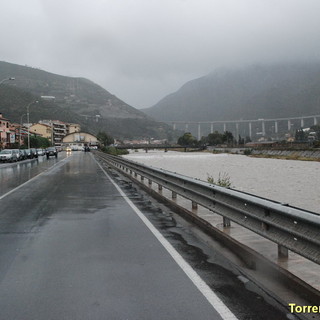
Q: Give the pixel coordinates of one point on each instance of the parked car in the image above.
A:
(17, 152)
(34, 151)
(30, 153)
(9, 155)
(40, 152)
(23, 154)
(51, 151)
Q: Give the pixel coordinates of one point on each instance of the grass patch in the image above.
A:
(223, 180)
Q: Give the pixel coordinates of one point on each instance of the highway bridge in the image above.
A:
(164, 147)
(250, 128)
(81, 240)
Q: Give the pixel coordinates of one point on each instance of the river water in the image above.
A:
(288, 181)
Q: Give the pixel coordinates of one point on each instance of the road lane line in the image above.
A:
(33, 178)
(213, 299)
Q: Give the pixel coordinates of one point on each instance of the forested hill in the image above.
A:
(254, 92)
(75, 98)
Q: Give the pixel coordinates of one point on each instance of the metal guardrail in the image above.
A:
(291, 228)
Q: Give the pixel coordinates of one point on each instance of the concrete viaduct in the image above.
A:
(236, 123)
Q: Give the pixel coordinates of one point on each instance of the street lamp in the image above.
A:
(7, 79)
(21, 128)
(28, 121)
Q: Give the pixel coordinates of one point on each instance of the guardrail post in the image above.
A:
(194, 205)
(135, 174)
(142, 178)
(283, 252)
(226, 222)
(174, 195)
(159, 187)
(150, 182)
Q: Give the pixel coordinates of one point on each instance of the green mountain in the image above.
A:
(76, 100)
(273, 91)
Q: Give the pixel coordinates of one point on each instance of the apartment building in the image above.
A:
(58, 130)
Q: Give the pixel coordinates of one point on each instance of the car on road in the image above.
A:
(9, 155)
(51, 151)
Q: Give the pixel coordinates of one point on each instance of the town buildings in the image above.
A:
(13, 135)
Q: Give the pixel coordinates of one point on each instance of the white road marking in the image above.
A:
(213, 299)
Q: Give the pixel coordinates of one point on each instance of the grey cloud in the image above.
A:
(141, 50)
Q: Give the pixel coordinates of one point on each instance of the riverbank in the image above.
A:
(303, 155)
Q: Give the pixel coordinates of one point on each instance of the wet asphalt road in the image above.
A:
(72, 248)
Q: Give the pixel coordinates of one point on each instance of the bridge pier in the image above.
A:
(276, 127)
(237, 132)
(263, 128)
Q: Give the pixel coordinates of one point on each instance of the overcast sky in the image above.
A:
(142, 50)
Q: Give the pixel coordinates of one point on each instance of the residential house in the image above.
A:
(7, 136)
(42, 129)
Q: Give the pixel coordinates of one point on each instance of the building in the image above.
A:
(42, 129)
(73, 127)
(58, 131)
(78, 140)
(7, 133)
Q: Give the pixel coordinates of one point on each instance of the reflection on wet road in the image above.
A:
(14, 174)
